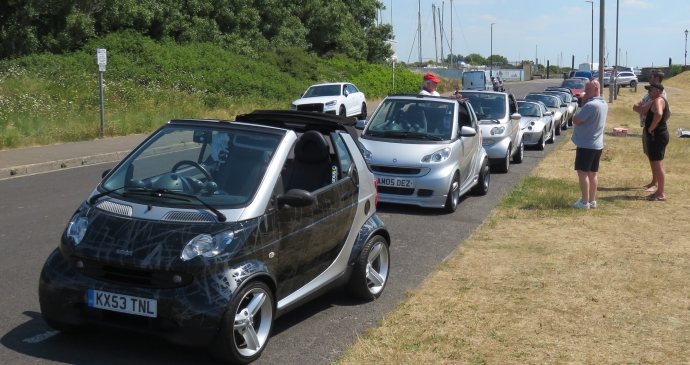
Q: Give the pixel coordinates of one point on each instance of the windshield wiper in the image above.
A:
(411, 134)
(157, 193)
(95, 198)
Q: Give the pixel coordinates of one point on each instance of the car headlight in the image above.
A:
(438, 156)
(365, 152)
(497, 130)
(293, 107)
(331, 103)
(76, 229)
(206, 245)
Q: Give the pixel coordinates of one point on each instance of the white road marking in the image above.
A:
(41, 337)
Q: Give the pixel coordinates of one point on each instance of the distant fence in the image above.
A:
(456, 73)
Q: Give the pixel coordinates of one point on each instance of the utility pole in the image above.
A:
(433, 12)
(440, 28)
(452, 55)
(419, 30)
(443, 15)
(615, 66)
(602, 42)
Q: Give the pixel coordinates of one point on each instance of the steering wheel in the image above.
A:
(193, 164)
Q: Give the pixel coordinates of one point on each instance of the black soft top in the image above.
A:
(301, 121)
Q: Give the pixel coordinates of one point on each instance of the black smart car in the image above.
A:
(209, 230)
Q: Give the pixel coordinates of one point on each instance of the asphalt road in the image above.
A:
(35, 209)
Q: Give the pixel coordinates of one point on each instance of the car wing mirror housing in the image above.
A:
(515, 116)
(564, 105)
(296, 198)
(106, 172)
(360, 124)
(548, 113)
(466, 131)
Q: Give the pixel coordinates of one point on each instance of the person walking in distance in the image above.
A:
(588, 136)
(642, 107)
(657, 137)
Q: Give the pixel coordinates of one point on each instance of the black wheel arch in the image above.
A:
(372, 227)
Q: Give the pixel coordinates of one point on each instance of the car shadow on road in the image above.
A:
(413, 209)
(93, 346)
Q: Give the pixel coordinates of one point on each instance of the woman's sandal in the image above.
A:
(654, 198)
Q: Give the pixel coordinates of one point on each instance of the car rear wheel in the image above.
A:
(342, 111)
(453, 194)
(520, 153)
(632, 84)
(482, 187)
(363, 112)
(551, 139)
(370, 273)
(558, 129)
(246, 325)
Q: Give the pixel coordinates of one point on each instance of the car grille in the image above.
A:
(176, 216)
(396, 170)
(425, 192)
(311, 107)
(395, 191)
(116, 208)
(132, 277)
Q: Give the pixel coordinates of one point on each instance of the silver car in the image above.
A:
(571, 107)
(425, 151)
(537, 124)
(500, 125)
(555, 105)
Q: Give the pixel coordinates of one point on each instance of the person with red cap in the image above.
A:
(429, 86)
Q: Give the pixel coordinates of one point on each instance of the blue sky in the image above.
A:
(548, 28)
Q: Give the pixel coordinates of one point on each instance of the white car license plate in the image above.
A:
(398, 183)
(123, 303)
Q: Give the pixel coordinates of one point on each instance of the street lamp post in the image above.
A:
(686, 47)
(491, 52)
(592, 54)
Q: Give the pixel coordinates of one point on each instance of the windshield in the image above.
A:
(322, 90)
(565, 97)
(573, 85)
(222, 167)
(549, 101)
(431, 120)
(487, 106)
(528, 109)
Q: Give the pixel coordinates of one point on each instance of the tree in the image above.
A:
(475, 59)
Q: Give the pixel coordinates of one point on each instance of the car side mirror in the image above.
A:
(106, 172)
(564, 105)
(296, 198)
(361, 124)
(548, 114)
(346, 93)
(515, 116)
(466, 131)
(300, 96)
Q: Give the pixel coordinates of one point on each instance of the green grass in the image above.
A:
(538, 193)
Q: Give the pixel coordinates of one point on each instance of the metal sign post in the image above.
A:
(101, 60)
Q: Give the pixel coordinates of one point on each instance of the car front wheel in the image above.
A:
(246, 325)
(482, 187)
(453, 194)
(542, 142)
(342, 111)
(363, 112)
(504, 165)
(370, 273)
(520, 153)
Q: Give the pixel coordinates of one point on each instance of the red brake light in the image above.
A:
(376, 186)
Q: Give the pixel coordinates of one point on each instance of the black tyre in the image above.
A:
(633, 84)
(453, 194)
(520, 153)
(342, 111)
(504, 166)
(551, 139)
(482, 187)
(246, 325)
(558, 129)
(565, 126)
(370, 273)
(542, 142)
(363, 112)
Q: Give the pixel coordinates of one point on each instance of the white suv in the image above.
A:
(626, 78)
(339, 98)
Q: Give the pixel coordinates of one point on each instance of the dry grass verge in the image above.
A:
(542, 283)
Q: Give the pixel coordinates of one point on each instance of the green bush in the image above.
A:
(676, 69)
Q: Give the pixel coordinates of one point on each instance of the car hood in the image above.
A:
(577, 92)
(315, 100)
(399, 154)
(525, 121)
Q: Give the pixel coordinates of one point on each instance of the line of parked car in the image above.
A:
(209, 230)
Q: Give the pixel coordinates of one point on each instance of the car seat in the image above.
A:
(311, 168)
(239, 174)
(416, 118)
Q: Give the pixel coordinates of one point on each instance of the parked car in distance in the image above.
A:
(572, 105)
(555, 105)
(586, 74)
(577, 87)
(425, 151)
(537, 124)
(340, 98)
(500, 125)
(626, 78)
(210, 230)
(498, 84)
(476, 80)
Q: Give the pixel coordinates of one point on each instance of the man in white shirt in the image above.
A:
(429, 86)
